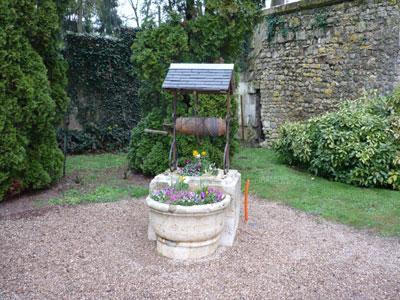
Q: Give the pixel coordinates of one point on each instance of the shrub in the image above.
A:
(31, 95)
(148, 153)
(186, 34)
(359, 144)
(94, 139)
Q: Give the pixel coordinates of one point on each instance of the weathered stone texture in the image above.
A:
(319, 56)
(228, 183)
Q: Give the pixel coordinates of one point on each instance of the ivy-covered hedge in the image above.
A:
(103, 91)
(359, 144)
(32, 96)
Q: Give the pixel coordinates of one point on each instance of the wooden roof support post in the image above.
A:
(227, 134)
(196, 106)
(172, 152)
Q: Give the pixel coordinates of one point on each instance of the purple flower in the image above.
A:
(171, 195)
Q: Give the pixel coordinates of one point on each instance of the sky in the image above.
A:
(125, 11)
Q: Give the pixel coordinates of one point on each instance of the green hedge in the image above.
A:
(103, 91)
(359, 144)
(32, 96)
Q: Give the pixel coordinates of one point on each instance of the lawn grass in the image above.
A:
(102, 193)
(100, 178)
(375, 209)
(93, 162)
(97, 178)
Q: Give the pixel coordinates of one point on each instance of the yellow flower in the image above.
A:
(203, 153)
(181, 178)
(195, 153)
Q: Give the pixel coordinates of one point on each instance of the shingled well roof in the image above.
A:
(199, 77)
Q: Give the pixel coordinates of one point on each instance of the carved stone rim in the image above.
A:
(188, 210)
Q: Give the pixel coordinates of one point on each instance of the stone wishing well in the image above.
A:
(189, 232)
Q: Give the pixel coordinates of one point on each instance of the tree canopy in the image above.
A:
(190, 31)
(92, 15)
(209, 31)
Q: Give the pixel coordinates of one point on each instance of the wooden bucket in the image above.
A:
(201, 126)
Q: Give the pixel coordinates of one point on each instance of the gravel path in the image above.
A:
(101, 251)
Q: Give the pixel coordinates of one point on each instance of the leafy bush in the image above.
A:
(78, 141)
(94, 139)
(359, 144)
(32, 96)
(142, 145)
(148, 153)
(197, 32)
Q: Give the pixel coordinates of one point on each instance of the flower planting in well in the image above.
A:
(197, 166)
(179, 194)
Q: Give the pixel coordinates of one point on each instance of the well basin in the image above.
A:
(187, 232)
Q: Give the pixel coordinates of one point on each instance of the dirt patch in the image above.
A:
(31, 213)
(101, 251)
(36, 202)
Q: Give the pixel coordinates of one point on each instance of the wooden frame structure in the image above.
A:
(200, 79)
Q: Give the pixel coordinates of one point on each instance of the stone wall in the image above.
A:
(307, 57)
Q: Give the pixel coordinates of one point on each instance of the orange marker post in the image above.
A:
(246, 200)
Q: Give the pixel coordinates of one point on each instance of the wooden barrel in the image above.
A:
(201, 126)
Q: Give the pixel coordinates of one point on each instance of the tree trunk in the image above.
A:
(79, 25)
(190, 10)
(159, 14)
(107, 15)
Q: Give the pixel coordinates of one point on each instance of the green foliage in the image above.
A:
(107, 15)
(45, 37)
(78, 141)
(180, 194)
(95, 162)
(273, 23)
(320, 21)
(189, 34)
(98, 178)
(285, 24)
(270, 179)
(281, 24)
(91, 15)
(103, 91)
(102, 193)
(32, 96)
(148, 153)
(153, 51)
(198, 165)
(217, 34)
(139, 191)
(359, 144)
